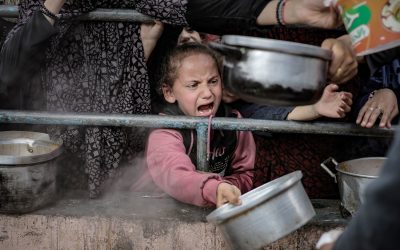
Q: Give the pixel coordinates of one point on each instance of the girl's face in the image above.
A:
(197, 88)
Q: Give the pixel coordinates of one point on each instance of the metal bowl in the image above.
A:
(267, 213)
(268, 71)
(353, 178)
(27, 171)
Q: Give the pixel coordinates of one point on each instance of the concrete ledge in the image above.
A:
(138, 221)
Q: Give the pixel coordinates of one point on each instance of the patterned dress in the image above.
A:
(98, 67)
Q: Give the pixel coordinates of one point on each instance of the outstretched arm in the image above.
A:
(308, 12)
(332, 104)
(173, 171)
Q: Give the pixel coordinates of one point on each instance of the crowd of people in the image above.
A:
(66, 65)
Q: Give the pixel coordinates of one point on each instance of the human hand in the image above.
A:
(228, 97)
(227, 193)
(54, 6)
(334, 104)
(313, 13)
(344, 65)
(383, 104)
(149, 34)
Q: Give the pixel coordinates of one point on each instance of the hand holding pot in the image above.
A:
(227, 193)
(344, 64)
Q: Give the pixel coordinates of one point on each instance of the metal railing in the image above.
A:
(183, 122)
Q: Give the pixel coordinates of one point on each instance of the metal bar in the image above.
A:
(198, 123)
(154, 121)
(202, 140)
(119, 15)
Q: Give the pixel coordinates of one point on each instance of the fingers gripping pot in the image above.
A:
(353, 177)
(266, 214)
(273, 72)
(27, 171)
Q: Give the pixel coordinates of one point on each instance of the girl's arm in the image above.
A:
(332, 104)
(243, 162)
(173, 171)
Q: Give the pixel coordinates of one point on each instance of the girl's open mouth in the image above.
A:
(206, 109)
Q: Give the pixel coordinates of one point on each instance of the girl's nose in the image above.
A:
(206, 92)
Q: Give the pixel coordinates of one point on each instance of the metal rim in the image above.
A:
(29, 159)
(263, 193)
(277, 45)
(358, 175)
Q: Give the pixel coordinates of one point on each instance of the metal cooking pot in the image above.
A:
(273, 72)
(267, 213)
(27, 171)
(353, 177)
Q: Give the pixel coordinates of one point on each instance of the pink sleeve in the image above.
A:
(173, 171)
(243, 162)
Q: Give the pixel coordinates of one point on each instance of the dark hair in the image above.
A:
(173, 62)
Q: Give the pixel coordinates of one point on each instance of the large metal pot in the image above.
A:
(353, 177)
(27, 171)
(266, 214)
(274, 72)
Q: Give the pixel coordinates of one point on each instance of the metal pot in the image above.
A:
(353, 177)
(267, 213)
(27, 171)
(273, 72)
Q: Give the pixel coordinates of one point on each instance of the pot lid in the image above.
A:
(256, 196)
(277, 45)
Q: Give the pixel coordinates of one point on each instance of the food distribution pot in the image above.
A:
(27, 171)
(273, 72)
(266, 214)
(353, 177)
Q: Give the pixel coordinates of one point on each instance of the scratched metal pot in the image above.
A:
(273, 72)
(266, 214)
(27, 171)
(353, 177)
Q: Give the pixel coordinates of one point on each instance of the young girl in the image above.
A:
(192, 86)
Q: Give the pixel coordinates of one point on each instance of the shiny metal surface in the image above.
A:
(267, 213)
(277, 45)
(27, 151)
(271, 76)
(27, 170)
(353, 177)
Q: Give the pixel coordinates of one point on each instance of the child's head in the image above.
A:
(192, 78)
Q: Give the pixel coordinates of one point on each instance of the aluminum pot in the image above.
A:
(273, 72)
(266, 214)
(27, 171)
(353, 177)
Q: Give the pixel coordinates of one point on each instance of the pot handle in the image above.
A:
(324, 163)
(227, 50)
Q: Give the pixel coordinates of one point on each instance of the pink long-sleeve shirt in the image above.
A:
(173, 171)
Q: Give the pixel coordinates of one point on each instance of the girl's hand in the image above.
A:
(149, 34)
(227, 193)
(334, 104)
(383, 104)
(344, 65)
